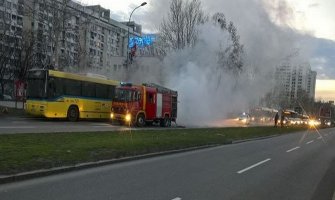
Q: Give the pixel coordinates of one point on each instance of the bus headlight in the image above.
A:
(128, 117)
(112, 115)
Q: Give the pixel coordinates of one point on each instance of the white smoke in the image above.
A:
(206, 92)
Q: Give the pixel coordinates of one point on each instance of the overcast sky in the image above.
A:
(313, 16)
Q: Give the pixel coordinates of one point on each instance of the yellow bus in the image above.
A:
(55, 94)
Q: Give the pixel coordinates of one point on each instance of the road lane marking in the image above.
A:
(252, 166)
(319, 138)
(310, 142)
(177, 198)
(295, 148)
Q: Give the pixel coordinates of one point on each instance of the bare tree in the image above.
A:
(230, 57)
(54, 25)
(26, 56)
(10, 48)
(179, 29)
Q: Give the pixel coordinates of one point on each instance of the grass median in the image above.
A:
(26, 152)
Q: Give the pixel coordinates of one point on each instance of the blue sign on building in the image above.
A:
(141, 42)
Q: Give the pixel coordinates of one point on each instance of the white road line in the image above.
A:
(177, 198)
(18, 127)
(319, 138)
(252, 166)
(295, 148)
(310, 142)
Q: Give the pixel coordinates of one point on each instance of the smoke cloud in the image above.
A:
(207, 93)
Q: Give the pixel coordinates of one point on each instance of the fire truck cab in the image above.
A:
(144, 104)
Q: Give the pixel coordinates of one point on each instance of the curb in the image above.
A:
(46, 172)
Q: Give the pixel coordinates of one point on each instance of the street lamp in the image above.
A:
(142, 4)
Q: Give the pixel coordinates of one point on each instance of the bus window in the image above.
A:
(36, 85)
(72, 87)
(59, 86)
(88, 89)
(111, 92)
(101, 91)
(51, 88)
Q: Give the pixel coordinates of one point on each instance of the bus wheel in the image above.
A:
(140, 121)
(72, 113)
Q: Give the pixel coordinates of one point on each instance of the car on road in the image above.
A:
(244, 118)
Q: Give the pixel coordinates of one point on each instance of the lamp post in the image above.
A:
(142, 4)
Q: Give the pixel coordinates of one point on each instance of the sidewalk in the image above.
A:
(12, 104)
(11, 108)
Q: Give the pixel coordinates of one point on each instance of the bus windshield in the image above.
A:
(36, 84)
(125, 95)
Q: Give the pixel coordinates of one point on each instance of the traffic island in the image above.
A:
(37, 154)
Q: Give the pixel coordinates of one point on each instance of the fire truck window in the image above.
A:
(151, 98)
(135, 96)
(138, 96)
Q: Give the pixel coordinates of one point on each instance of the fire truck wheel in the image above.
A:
(121, 122)
(169, 123)
(140, 121)
(166, 122)
(72, 113)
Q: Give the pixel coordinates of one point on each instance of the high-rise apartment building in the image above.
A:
(296, 81)
(61, 34)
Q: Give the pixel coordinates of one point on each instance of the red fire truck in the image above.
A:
(144, 104)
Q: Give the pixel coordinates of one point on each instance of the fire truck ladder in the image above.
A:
(160, 88)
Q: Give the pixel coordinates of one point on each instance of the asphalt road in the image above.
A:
(21, 124)
(40, 125)
(294, 166)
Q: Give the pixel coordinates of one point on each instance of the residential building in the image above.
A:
(293, 82)
(71, 36)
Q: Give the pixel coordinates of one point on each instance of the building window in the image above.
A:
(8, 4)
(7, 16)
